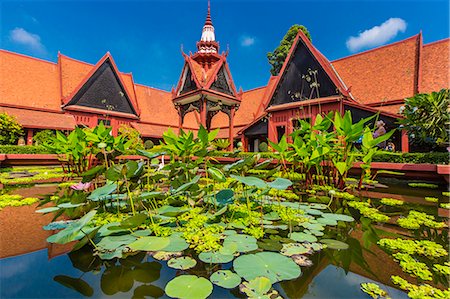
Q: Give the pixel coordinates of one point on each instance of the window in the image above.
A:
(106, 122)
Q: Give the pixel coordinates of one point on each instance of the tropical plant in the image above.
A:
(221, 144)
(427, 118)
(278, 56)
(43, 137)
(133, 135)
(10, 129)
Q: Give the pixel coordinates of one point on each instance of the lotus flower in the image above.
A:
(81, 186)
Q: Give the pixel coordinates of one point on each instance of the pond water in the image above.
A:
(32, 268)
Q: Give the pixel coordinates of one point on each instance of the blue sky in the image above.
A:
(145, 37)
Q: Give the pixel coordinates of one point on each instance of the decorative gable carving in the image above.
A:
(304, 78)
(189, 83)
(221, 83)
(103, 90)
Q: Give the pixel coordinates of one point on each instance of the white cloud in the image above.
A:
(377, 35)
(30, 40)
(247, 41)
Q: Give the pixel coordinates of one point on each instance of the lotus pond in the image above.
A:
(194, 228)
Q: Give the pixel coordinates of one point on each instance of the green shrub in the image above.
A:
(263, 147)
(10, 129)
(23, 149)
(148, 144)
(42, 137)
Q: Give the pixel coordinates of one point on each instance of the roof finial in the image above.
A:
(208, 15)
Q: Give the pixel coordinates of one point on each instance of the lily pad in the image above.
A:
(214, 257)
(225, 279)
(113, 242)
(176, 243)
(244, 243)
(189, 286)
(102, 192)
(182, 263)
(293, 249)
(327, 221)
(334, 244)
(302, 237)
(272, 265)
(250, 181)
(151, 243)
(338, 217)
(257, 287)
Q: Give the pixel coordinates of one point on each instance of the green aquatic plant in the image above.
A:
(412, 267)
(445, 205)
(431, 199)
(286, 194)
(442, 269)
(392, 202)
(14, 200)
(423, 185)
(255, 231)
(416, 220)
(225, 279)
(368, 212)
(374, 290)
(259, 287)
(420, 247)
(423, 291)
(189, 287)
(446, 193)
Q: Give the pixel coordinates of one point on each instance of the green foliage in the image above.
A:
(189, 287)
(23, 149)
(278, 56)
(263, 147)
(374, 291)
(43, 137)
(423, 185)
(392, 202)
(416, 220)
(10, 200)
(148, 144)
(425, 248)
(133, 136)
(421, 291)
(369, 212)
(10, 129)
(427, 118)
(221, 144)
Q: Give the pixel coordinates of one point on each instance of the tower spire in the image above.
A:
(207, 43)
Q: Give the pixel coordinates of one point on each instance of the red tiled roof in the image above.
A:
(41, 119)
(435, 66)
(151, 130)
(28, 82)
(395, 109)
(381, 74)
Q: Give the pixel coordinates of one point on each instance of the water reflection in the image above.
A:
(35, 269)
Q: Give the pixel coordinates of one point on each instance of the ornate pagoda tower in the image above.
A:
(205, 84)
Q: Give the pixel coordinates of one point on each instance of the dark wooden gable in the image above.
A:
(103, 90)
(303, 79)
(221, 83)
(189, 83)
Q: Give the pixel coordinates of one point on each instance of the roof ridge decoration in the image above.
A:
(316, 75)
(100, 69)
(207, 43)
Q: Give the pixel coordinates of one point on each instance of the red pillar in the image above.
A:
(180, 120)
(272, 130)
(203, 112)
(244, 142)
(231, 128)
(30, 137)
(405, 141)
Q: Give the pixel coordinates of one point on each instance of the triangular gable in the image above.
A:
(103, 89)
(305, 75)
(187, 83)
(222, 82)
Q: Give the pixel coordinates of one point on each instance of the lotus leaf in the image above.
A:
(244, 243)
(302, 237)
(151, 243)
(151, 291)
(74, 231)
(47, 210)
(225, 279)
(165, 255)
(69, 205)
(113, 242)
(334, 244)
(327, 221)
(57, 225)
(182, 263)
(293, 249)
(250, 181)
(338, 217)
(116, 279)
(177, 243)
(189, 286)
(213, 257)
(225, 196)
(273, 265)
(280, 184)
(133, 221)
(102, 192)
(257, 287)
